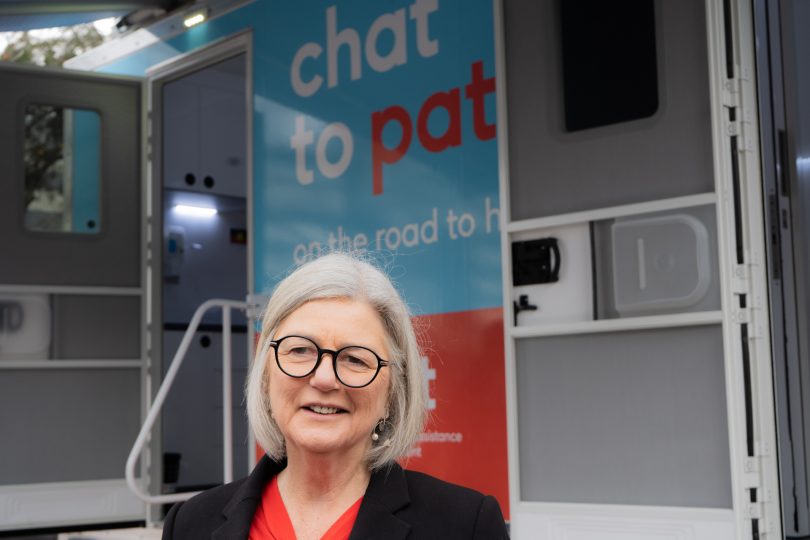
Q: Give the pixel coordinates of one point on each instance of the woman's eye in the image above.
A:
(355, 361)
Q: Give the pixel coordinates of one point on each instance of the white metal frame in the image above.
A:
(156, 406)
(554, 520)
(760, 471)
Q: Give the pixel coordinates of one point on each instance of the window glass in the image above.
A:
(609, 62)
(62, 156)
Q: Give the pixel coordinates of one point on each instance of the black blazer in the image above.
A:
(397, 505)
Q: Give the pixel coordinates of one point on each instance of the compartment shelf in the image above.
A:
(70, 290)
(618, 325)
(611, 212)
(71, 364)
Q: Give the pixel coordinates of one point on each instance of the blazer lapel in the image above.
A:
(387, 493)
(238, 513)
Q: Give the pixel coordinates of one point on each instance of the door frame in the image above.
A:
(157, 76)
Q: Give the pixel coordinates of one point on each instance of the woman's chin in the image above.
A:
(325, 442)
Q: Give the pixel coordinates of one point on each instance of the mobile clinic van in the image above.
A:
(594, 210)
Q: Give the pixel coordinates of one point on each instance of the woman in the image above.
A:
(335, 396)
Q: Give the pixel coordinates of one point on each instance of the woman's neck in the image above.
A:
(318, 489)
(320, 478)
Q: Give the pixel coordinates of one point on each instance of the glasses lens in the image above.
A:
(356, 366)
(297, 355)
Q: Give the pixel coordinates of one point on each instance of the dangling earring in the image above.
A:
(379, 428)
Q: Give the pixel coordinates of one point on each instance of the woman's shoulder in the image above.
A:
(234, 502)
(439, 509)
(427, 486)
(213, 500)
(201, 514)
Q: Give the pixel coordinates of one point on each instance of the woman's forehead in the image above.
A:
(342, 320)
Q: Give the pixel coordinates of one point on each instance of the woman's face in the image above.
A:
(317, 413)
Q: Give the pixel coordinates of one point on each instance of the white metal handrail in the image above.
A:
(227, 406)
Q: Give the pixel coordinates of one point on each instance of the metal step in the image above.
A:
(139, 533)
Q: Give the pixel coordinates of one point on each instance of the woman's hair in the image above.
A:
(344, 275)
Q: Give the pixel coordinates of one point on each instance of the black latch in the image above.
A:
(522, 305)
(535, 261)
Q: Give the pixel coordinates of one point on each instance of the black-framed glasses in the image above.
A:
(354, 366)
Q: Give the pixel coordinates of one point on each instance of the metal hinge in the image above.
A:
(751, 479)
(737, 129)
(731, 93)
(741, 279)
(756, 510)
(742, 316)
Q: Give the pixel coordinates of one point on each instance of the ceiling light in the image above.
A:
(196, 211)
(194, 19)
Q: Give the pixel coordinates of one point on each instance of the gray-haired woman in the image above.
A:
(336, 394)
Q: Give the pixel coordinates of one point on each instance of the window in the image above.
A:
(609, 62)
(62, 157)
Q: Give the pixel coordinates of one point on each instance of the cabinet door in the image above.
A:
(222, 139)
(204, 144)
(181, 135)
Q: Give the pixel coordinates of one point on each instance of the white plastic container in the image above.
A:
(659, 264)
(25, 326)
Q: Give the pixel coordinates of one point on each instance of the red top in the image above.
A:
(271, 521)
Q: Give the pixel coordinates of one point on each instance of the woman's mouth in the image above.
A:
(320, 409)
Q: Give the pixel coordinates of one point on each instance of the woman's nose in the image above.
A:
(324, 377)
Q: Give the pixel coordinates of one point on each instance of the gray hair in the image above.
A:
(344, 275)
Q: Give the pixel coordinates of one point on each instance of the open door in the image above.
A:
(72, 296)
(200, 116)
(638, 361)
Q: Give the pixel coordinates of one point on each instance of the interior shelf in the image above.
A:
(618, 325)
(611, 212)
(71, 364)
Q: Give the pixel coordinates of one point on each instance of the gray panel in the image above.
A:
(624, 418)
(799, 123)
(666, 155)
(791, 227)
(102, 327)
(603, 265)
(192, 417)
(77, 424)
(111, 258)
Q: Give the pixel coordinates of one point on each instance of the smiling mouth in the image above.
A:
(324, 410)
